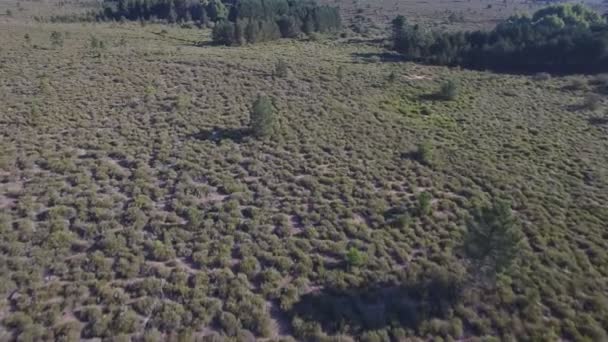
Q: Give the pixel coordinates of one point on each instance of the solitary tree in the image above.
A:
(262, 117)
(56, 39)
(424, 204)
(448, 91)
(493, 239)
(398, 25)
(281, 69)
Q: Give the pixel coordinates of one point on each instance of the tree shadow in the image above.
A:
(431, 97)
(598, 120)
(217, 134)
(575, 107)
(378, 306)
(366, 41)
(165, 36)
(386, 57)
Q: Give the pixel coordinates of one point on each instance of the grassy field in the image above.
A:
(134, 204)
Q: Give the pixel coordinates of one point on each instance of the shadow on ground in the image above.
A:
(217, 134)
(598, 120)
(391, 57)
(379, 306)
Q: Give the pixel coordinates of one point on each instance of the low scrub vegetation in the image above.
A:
(315, 190)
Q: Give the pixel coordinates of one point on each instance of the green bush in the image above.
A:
(424, 204)
(425, 153)
(262, 117)
(288, 26)
(493, 239)
(448, 91)
(224, 33)
(281, 69)
(592, 102)
(229, 323)
(56, 39)
(355, 258)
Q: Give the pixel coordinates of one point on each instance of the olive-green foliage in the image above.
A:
(156, 208)
(355, 258)
(288, 26)
(96, 43)
(340, 73)
(56, 39)
(281, 69)
(244, 31)
(493, 238)
(424, 203)
(425, 152)
(555, 38)
(224, 33)
(448, 90)
(258, 21)
(262, 117)
(592, 102)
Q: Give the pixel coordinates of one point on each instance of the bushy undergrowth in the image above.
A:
(134, 204)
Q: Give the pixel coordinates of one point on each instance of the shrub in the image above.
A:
(251, 32)
(592, 102)
(96, 43)
(493, 239)
(229, 323)
(262, 117)
(288, 26)
(56, 39)
(541, 76)
(577, 84)
(281, 69)
(448, 91)
(268, 30)
(355, 258)
(425, 153)
(424, 204)
(223, 33)
(249, 266)
(340, 73)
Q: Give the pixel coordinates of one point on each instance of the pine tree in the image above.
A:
(262, 117)
(493, 239)
(223, 33)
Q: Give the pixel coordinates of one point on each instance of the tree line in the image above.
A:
(251, 21)
(559, 38)
(235, 22)
(168, 10)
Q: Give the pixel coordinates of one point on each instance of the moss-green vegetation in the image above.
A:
(134, 202)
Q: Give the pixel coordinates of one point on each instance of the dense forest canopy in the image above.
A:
(236, 21)
(559, 38)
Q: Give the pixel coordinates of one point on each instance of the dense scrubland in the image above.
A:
(156, 185)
